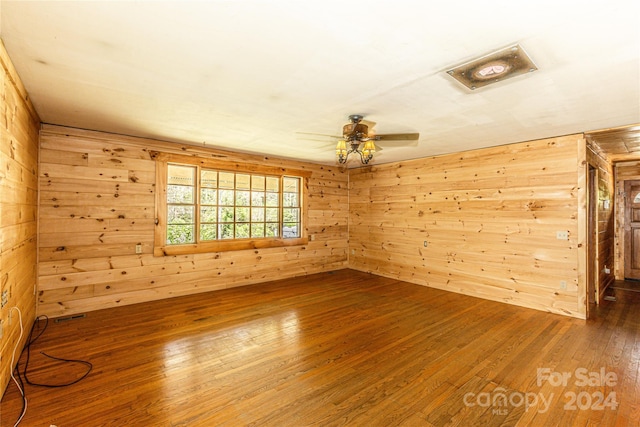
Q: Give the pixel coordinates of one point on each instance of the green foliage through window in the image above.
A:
(222, 205)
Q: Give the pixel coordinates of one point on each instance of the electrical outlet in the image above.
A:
(139, 248)
(424, 243)
(563, 284)
(562, 235)
(353, 251)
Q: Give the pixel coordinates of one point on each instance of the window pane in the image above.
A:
(257, 199)
(257, 230)
(230, 205)
(208, 214)
(242, 214)
(257, 183)
(290, 230)
(290, 199)
(180, 194)
(225, 231)
(208, 196)
(209, 178)
(181, 175)
(242, 231)
(272, 199)
(290, 185)
(243, 182)
(272, 230)
(273, 183)
(291, 215)
(225, 214)
(242, 198)
(225, 180)
(180, 214)
(272, 215)
(226, 197)
(208, 231)
(180, 234)
(257, 214)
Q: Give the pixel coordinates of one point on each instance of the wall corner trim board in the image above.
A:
(19, 126)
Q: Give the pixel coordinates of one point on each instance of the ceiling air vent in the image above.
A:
(494, 67)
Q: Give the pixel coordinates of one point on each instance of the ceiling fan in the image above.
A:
(358, 138)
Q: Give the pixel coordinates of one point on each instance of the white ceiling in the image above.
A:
(249, 75)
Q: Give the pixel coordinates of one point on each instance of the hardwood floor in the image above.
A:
(341, 348)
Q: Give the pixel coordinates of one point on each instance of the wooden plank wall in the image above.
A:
(490, 218)
(19, 125)
(605, 220)
(97, 203)
(626, 170)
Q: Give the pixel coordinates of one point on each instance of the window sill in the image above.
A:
(224, 246)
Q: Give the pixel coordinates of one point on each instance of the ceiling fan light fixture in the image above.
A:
(366, 152)
(357, 139)
(369, 149)
(341, 150)
(493, 67)
(355, 135)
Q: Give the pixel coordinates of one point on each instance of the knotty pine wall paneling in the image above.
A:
(97, 193)
(19, 125)
(623, 171)
(489, 218)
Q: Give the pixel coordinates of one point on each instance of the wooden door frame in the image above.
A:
(592, 282)
(627, 249)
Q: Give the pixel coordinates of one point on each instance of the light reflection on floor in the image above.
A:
(234, 347)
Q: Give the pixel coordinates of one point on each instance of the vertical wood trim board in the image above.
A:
(97, 197)
(19, 125)
(490, 218)
(605, 229)
(583, 216)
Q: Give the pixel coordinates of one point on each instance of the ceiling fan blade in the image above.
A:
(333, 145)
(396, 143)
(369, 123)
(398, 137)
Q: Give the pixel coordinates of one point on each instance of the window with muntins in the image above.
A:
(202, 206)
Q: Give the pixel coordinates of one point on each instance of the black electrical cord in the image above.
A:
(30, 340)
